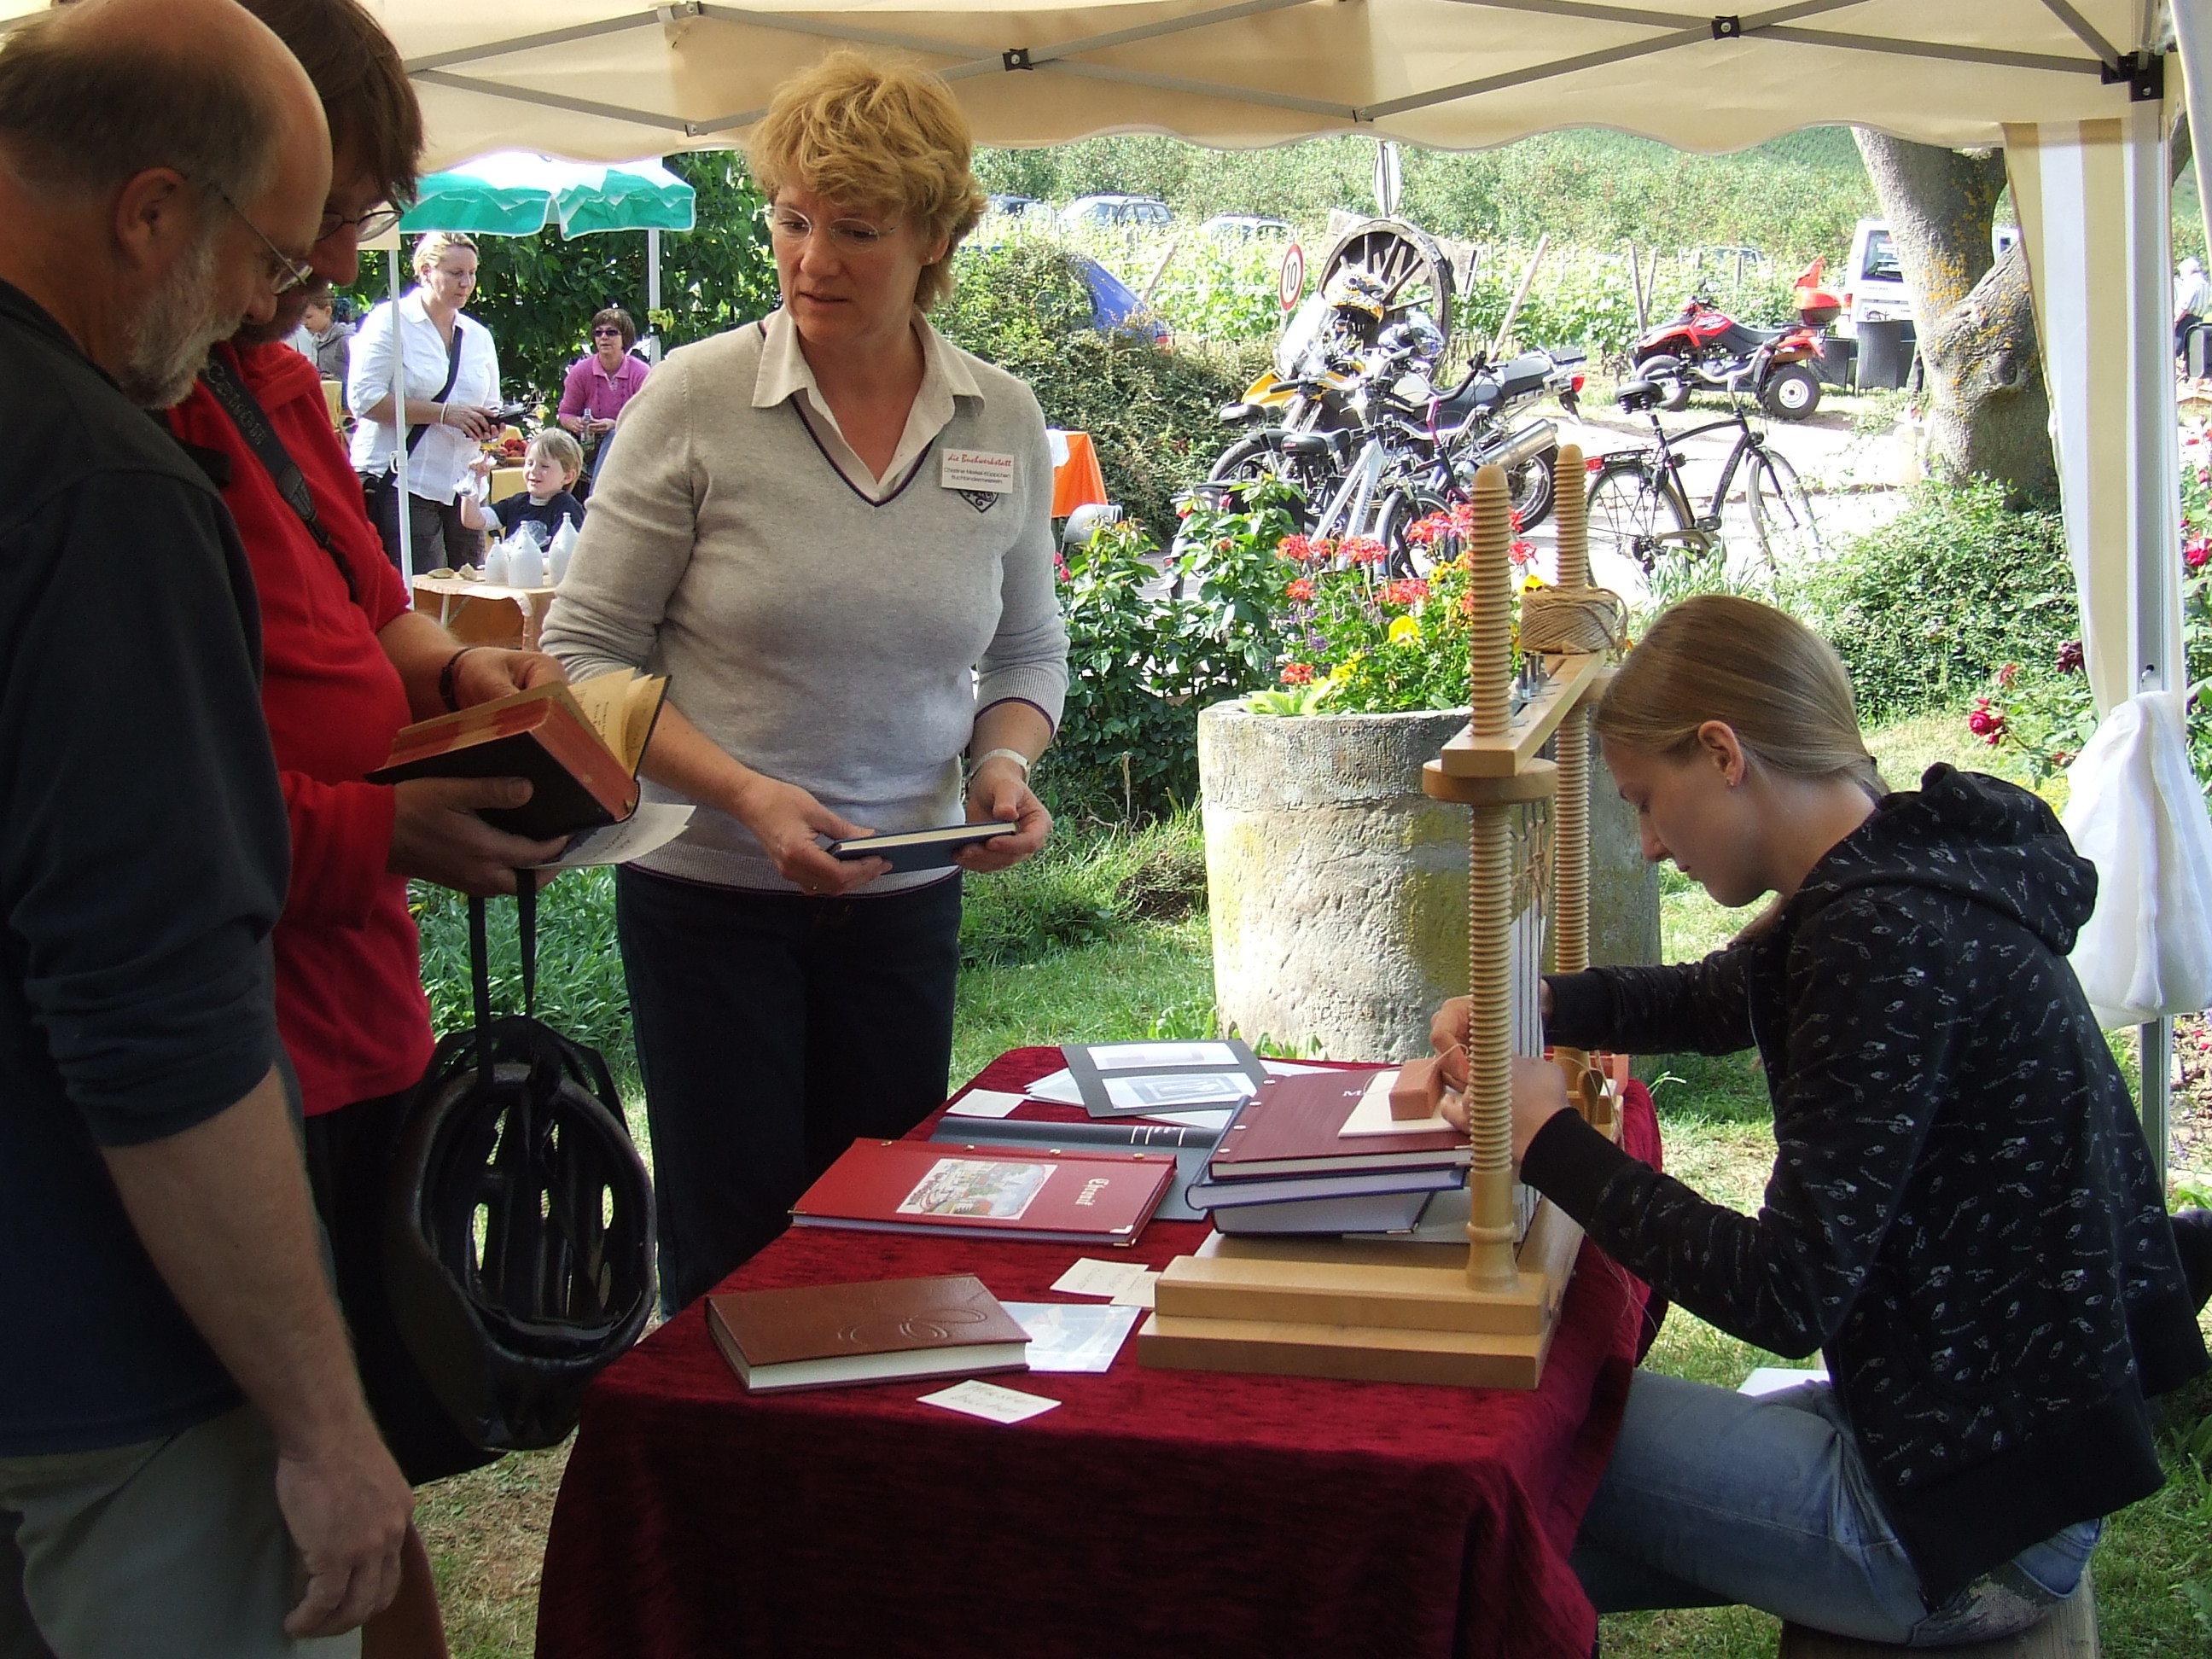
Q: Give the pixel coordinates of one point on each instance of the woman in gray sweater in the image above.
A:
(832, 531)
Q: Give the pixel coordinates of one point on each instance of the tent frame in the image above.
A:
(2143, 69)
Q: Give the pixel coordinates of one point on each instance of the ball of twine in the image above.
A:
(1582, 620)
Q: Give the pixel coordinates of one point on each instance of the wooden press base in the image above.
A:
(1365, 1311)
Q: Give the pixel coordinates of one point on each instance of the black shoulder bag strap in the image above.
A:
(453, 373)
(525, 906)
(253, 423)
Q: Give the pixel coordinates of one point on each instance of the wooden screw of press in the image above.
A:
(1490, 1260)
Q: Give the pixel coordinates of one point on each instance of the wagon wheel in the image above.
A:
(1412, 268)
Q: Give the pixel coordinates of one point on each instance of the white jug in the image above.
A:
(557, 556)
(526, 563)
(494, 565)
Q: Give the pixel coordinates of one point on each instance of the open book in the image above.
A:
(579, 745)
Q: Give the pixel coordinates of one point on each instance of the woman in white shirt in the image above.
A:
(453, 389)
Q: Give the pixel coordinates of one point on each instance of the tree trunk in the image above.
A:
(1988, 410)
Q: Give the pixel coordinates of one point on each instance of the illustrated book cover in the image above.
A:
(1029, 1192)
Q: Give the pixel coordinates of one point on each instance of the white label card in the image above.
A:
(983, 1102)
(978, 469)
(990, 1401)
(1091, 1277)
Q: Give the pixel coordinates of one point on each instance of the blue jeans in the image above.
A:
(1715, 1497)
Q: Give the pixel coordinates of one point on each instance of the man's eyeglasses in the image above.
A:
(366, 226)
(288, 273)
(852, 235)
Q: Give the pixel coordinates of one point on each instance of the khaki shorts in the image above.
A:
(166, 1549)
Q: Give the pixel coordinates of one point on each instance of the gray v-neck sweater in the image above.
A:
(842, 645)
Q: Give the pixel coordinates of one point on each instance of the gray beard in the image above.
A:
(170, 338)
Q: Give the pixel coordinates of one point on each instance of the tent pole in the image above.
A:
(652, 292)
(406, 513)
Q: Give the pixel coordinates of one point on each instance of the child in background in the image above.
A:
(549, 467)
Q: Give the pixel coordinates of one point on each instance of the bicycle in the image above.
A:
(1639, 507)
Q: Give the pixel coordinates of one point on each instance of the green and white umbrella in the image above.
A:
(517, 193)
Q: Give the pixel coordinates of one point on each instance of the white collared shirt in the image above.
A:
(785, 373)
(439, 462)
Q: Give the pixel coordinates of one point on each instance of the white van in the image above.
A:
(1873, 282)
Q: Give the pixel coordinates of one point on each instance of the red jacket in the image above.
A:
(350, 1001)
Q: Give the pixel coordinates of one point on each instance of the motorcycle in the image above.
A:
(1703, 349)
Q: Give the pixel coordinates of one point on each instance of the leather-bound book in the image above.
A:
(578, 745)
(812, 1336)
(1295, 1126)
(1088, 1196)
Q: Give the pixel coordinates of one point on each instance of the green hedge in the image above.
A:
(1924, 609)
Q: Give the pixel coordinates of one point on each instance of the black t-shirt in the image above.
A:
(519, 508)
(144, 860)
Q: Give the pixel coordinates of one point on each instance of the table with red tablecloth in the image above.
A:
(1152, 1513)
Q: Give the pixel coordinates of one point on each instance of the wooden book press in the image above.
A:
(1480, 1315)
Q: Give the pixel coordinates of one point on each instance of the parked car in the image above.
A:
(1246, 225)
(1114, 210)
(1873, 280)
(1011, 206)
(1114, 306)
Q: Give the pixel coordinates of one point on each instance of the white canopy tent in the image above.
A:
(2078, 92)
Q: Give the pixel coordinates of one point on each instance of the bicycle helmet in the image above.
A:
(519, 1245)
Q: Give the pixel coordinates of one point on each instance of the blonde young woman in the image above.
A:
(832, 530)
(1962, 1214)
(451, 387)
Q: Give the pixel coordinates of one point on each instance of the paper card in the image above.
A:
(1371, 1116)
(990, 1401)
(1091, 1277)
(1138, 1292)
(1773, 1379)
(1073, 1336)
(655, 823)
(1058, 1087)
(983, 1102)
(985, 470)
(1292, 1067)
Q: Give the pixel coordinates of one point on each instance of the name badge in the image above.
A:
(966, 470)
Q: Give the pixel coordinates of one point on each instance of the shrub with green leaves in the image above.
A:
(1154, 416)
(1924, 609)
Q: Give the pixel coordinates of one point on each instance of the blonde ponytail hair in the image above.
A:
(1765, 676)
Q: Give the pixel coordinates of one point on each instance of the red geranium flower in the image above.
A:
(1303, 588)
(1364, 549)
(1410, 591)
(1296, 549)
(1298, 673)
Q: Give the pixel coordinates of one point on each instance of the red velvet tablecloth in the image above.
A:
(1154, 1513)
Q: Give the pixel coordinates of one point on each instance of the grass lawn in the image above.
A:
(1100, 939)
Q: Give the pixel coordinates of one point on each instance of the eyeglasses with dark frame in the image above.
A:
(606, 332)
(852, 235)
(367, 226)
(292, 273)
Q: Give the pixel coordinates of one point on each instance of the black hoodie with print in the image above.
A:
(1962, 1210)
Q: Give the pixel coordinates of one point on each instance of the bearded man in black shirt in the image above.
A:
(180, 1428)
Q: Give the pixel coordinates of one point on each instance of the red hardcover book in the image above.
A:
(1294, 1126)
(1014, 1191)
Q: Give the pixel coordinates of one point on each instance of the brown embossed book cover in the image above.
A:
(817, 1335)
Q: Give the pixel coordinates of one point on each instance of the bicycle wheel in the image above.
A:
(1632, 515)
(1782, 519)
(1530, 485)
(1403, 508)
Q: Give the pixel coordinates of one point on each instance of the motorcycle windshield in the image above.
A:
(1299, 336)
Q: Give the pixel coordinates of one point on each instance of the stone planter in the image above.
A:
(1337, 891)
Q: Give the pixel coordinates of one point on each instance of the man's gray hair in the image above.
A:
(81, 113)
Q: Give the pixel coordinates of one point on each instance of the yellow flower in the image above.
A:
(1404, 631)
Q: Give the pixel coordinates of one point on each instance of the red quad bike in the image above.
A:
(1704, 349)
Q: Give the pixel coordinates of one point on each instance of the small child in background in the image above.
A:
(549, 467)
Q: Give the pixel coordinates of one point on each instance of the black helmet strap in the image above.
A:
(526, 916)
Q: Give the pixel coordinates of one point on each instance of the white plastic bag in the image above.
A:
(2137, 814)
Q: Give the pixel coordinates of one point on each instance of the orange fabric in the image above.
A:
(1078, 484)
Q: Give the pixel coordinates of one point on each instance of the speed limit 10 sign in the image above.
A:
(1293, 281)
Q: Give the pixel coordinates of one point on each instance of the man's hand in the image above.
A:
(347, 1508)
(999, 792)
(786, 819)
(487, 674)
(436, 834)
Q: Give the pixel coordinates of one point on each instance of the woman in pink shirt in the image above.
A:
(600, 383)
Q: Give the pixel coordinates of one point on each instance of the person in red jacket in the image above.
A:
(346, 664)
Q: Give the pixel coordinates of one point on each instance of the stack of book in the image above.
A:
(1319, 1152)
